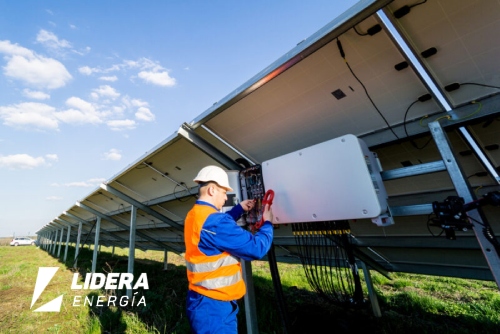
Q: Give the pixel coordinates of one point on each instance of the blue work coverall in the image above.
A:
(221, 233)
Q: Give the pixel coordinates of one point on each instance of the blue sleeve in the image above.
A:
(221, 233)
(236, 212)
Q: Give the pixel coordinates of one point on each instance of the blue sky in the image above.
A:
(87, 87)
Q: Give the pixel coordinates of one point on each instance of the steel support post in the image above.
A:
(131, 247)
(67, 244)
(60, 243)
(52, 241)
(371, 291)
(77, 246)
(463, 190)
(165, 259)
(49, 242)
(54, 245)
(249, 299)
(96, 244)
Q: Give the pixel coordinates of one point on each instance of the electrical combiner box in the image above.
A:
(335, 180)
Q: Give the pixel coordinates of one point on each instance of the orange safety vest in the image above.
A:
(216, 276)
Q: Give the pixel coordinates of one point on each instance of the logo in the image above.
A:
(45, 275)
(96, 281)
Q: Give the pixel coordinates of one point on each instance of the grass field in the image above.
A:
(409, 303)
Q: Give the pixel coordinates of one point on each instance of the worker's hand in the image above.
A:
(268, 214)
(247, 204)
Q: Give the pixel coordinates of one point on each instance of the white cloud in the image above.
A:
(82, 184)
(80, 112)
(157, 78)
(97, 180)
(149, 71)
(39, 71)
(79, 184)
(144, 114)
(10, 49)
(29, 114)
(53, 157)
(132, 103)
(73, 116)
(87, 70)
(51, 41)
(112, 154)
(81, 104)
(34, 94)
(110, 78)
(120, 125)
(53, 198)
(41, 116)
(139, 103)
(105, 91)
(21, 161)
(32, 69)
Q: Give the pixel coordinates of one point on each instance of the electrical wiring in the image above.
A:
(142, 166)
(429, 219)
(477, 190)
(357, 32)
(342, 54)
(448, 117)
(406, 131)
(402, 11)
(477, 221)
(478, 84)
(418, 4)
(370, 32)
(430, 139)
(325, 250)
(406, 114)
(187, 198)
(479, 174)
(473, 113)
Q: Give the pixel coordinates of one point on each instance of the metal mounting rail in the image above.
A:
(463, 190)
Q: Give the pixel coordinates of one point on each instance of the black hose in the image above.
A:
(275, 275)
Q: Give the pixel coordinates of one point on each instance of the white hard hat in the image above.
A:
(215, 174)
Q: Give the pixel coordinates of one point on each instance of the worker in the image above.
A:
(214, 246)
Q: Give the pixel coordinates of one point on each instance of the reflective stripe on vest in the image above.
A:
(211, 266)
(219, 282)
